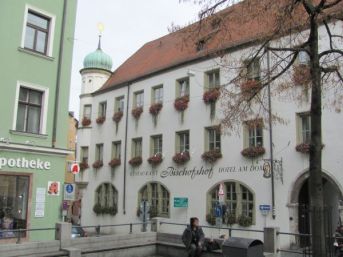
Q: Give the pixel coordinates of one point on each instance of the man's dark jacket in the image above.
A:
(187, 236)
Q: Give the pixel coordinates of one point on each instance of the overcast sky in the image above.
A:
(128, 24)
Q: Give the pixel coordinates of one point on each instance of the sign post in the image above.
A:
(265, 209)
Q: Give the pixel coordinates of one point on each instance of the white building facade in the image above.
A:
(113, 194)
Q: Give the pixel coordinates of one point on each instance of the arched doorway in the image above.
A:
(300, 201)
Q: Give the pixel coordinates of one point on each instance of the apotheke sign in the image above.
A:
(36, 164)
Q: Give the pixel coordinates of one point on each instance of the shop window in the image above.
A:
(182, 87)
(106, 199)
(238, 201)
(14, 195)
(30, 108)
(157, 94)
(158, 198)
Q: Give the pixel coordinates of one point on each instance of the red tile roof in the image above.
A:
(239, 24)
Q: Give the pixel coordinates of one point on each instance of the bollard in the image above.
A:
(130, 228)
(230, 232)
(97, 230)
(18, 236)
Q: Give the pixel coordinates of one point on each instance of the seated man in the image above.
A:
(193, 237)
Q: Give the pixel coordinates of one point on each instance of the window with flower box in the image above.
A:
(157, 94)
(182, 141)
(84, 154)
(156, 144)
(106, 200)
(253, 138)
(87, 111)
(158, 197)
(116, 150)
(239, 203)
(213, 139)
(99, 152)
(212, 79)
(138, 99)
(253, 69)
(304, 128)
(182, 87)
(119, 104)
(102, 109)
(137, 147)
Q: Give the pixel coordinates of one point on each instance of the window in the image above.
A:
(37, 32)
(253, 69)
(182, 87)
(238, 200)
(119, 104)
(116, 150)
(29, 110)
(254, 133)
(87, 111)
(158, 94)
(139, 99)
(212, 79)
(102, 109)
(156, 142)
(158, 197)
(14, 195)
(182, 141)
(304, 124)
(99, 151)
(84, 154)
(106, 199)
(303, 58)
(213, 136)
(137, 147)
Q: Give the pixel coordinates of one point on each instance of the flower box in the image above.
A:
(83, 165)
(211, 219)
(181, 103)
(303, 148)
(155, 159)
(114, 162)
(98, 164)
(211, 156)
(155, 108)
(136, 161)
(301, 74)
(100, 120)
(86, 121)
(136, 112)
(181, 158)
(100, 210)
(250, 86)
(117, 116)
(253, 151)
(211, 95)
(244, 221)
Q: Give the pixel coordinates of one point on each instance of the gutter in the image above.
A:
(59, 71)
(125, 147)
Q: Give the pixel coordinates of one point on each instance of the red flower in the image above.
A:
(98, 164)
(136, 161)
(155, 108)
(253, 151)
(211, 95)
(136, 112)
(84, 165)
(117, 116)
(156, 159)
(114, 162)
(250, 86)
(181, 103)
(211, 156)
(303, 148)
(301, 74)
(181, 158)
(100, 119)
(86, 122)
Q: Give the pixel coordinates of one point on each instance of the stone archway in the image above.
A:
(299, 200)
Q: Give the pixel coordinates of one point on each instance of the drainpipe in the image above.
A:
(59, 71)
(125, 146)
(271, 137)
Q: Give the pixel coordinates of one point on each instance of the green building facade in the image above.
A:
(35, 62)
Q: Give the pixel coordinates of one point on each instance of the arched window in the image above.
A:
(239, 203)
(106, 199)
(158, 197)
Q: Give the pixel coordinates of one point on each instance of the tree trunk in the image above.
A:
(315, 178)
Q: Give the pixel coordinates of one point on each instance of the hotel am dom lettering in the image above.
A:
(22, 162)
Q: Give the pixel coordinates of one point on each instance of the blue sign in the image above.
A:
(218, 211)
(69, 188)
(265, 207)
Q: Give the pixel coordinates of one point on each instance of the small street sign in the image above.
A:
(180, 202)
(265, 207)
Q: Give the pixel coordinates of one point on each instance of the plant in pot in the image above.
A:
(181, 103)
(211, 156)
(98, 164)
(244, 221)
(253, 151)
(250, 87)
(117, 116)
(86, 121)
(97, 209)
(114, 162)
(181, 158)
(83, 165)
(136, 112)
(155, 159)
(136, 161)
(100, 119)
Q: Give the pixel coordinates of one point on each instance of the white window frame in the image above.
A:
(140, 103)
(44, 111)
(51, 34)
(159, 97)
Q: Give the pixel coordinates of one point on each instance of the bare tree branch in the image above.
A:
(331, 51)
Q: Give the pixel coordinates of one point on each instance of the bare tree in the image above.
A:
(282, 31)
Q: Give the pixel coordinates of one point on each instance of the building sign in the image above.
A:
(36, 164)
(54, 188)
(180, 202)
(40, 202)
(69, 192)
